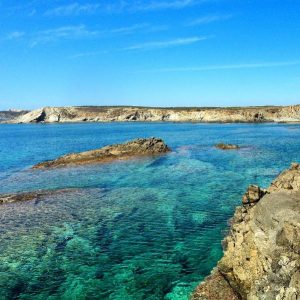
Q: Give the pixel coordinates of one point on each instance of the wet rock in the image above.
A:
(223, 146)
(135, 148)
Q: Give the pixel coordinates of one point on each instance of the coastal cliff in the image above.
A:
(262, 250)
(144, 114)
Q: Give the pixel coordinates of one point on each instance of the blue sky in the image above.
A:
(151, 53)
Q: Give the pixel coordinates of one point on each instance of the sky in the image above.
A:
(149, 53)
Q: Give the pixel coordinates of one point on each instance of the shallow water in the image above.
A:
(139, 229)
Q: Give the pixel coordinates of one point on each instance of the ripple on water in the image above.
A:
(145, 229)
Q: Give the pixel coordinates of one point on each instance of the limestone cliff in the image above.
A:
(262, 251)
(142, 114)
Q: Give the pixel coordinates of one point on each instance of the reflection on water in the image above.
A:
(139, 229)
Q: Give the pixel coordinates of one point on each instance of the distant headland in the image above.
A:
(251, 114)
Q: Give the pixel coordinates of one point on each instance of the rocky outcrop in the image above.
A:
(135, 148)
(31, 196)
(227, 146)
(141, 114)
(262, 251)
(253, 195)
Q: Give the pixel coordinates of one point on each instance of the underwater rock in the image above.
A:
(262, 250)
(135, 148)
(227, 146)
(29, 196)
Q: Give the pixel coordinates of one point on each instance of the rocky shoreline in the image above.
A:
(148, 114)
(262, 251)
(136, 148)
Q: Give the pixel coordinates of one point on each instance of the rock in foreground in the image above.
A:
(135, 148)
(262, 251)
(223, 146)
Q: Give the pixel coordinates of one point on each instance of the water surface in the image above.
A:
(139, 229)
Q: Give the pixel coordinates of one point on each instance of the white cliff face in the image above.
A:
(126, 114)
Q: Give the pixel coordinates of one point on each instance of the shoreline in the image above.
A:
(264, 114)
(261, 258)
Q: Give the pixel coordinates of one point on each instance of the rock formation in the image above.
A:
(135, 148)
(125, 114)
(30, 196)
(227, 146)
(262, 251)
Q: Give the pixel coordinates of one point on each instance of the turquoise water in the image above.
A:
(140, 229)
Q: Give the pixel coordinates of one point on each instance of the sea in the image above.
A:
(148, 228)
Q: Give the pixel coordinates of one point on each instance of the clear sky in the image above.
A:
(151, 53)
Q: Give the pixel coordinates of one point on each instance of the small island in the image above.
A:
(136, 148)
(223, 146)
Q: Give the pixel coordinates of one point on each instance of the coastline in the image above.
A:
(261, 251)
(264, 114)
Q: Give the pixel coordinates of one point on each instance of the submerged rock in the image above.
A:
(29, 196)
(262, 251)
(135, 148)
(227, 146)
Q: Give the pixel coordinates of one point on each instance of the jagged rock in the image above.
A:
(253, 194)
(262, 250)
(135, 148)
(227, 146)
(141, 114)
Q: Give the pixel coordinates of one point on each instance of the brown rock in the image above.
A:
(227, 146)
(29, 196)
(214, 287)
(253, 194)
(135, 148)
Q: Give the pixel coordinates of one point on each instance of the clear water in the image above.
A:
(140, 229)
